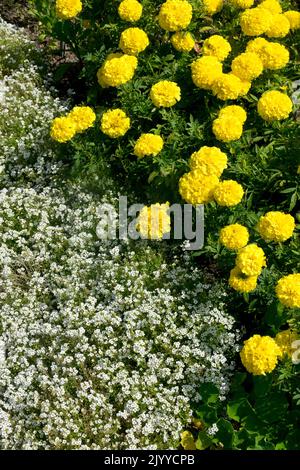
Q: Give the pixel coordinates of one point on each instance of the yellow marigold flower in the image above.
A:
(251, 259)
(227, 128)
(255, 21)
(273, 6)
(241, 283)
(227, 87)
(83, 117)
(187, 441)
(234, 236)
(117, 70)
(274, 106)
(212, 6)
(247, 66)
(216, 46)
(260, 354)
(273, 55)
(183, 41)
(209, 160)
(228, 193)
(165, 94)
(242, 3)
(67, 9)
(245, 87)
(63, 129)
(148, 145)
(196, 188)
(288, 290)
(284, 340)
(276, 226)
(130, 10)
(133, 41)
(205, 71)
(175, 15)
(115, 123)
(294, 18)
(234, 111)
(279, 27)
(154, 221)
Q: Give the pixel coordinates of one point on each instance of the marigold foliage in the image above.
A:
(216, 46)
(227, 128)
(175, 15)
(117, 69)
(133, 41)
(241, 283)
(274, 106)
(130, 10)
(250, 260)
(273, 55)
(247, 66)
(276, 226)
(115, 123)
(205, 71)
(288, 290)
(209, 160)
(148, 145)
(260, 354)
(255, 21)
(154, 221)
(63, 129)
(284, 340)
(228, 193)
(67, 9)
(83, 117)
(165, 94)
(234, 236)
(183, 41)
(196, 188)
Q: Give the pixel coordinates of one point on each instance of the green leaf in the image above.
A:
(225, 433)
(209, 393)
(203, 441)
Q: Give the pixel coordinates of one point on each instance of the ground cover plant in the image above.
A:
(179, 101)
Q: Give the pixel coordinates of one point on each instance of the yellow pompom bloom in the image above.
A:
(251, 259)
(234, 111)
(133, 41)
(234, 236)
(205, 71)
(228, 193)
(175, 15)
(284, 340)
(154, 221)
(148, 145)
(130, 10)
(209, 160)
(288, 290)
(216, 46)
(212, 6)
(115, 123)
(276, 226)
(279, 27)
(227, 128)
(117, 70)
(255, 21)
(241, 3)
(260, 355)
(187, 441)
(247, 66)
(67, 9)
(273, 55)
(83, 117)
(63, 129)
(196, 188)
(183, 41)
(274, 106)
(241, 283)
(294, 18)
(273, 6)
(165, 94)
(227, 87)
